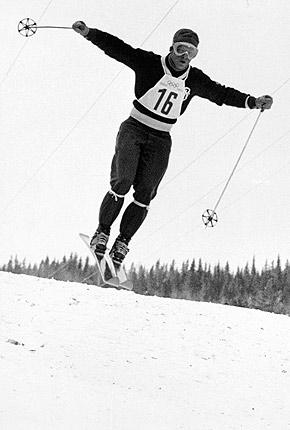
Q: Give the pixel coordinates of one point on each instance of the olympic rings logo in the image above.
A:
(173, 84)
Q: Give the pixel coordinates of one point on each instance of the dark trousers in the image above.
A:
(140, 160)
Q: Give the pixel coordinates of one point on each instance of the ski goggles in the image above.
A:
(181, 48)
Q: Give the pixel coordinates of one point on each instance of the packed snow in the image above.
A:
(79, 357)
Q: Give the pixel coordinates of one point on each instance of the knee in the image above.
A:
(121, 186)
(145, 194)
(143, 197)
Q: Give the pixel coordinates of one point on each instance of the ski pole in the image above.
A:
(210, 217)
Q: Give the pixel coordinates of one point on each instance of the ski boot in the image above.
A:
(99, 243)
(119, 250)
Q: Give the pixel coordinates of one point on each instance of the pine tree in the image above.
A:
(139, 279)
(174, 280)
(286, 289)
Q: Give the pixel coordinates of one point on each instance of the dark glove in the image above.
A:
(80, 27)
(264, 102)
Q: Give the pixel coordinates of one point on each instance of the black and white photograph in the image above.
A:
(145, 240)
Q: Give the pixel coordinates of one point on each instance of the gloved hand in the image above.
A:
(264, 102)
(80, 27)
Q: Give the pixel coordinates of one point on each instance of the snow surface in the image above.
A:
(75, 356)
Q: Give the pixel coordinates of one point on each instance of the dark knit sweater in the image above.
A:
(148, 71)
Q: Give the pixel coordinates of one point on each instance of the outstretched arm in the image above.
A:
(221, 94)
(111, 45)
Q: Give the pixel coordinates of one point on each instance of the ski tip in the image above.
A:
(83, 235)
(127, 285)
(113, 281)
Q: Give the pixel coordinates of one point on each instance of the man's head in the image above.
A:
(184, 48)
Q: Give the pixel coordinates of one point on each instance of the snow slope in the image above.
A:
(76, 357)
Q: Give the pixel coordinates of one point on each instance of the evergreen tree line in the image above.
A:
(267, 289)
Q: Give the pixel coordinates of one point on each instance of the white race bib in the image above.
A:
(166, 97)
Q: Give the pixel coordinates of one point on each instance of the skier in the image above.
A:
(164, 86)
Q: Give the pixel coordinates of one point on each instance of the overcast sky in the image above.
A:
(62, 101)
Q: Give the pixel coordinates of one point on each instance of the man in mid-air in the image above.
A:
(164, 86)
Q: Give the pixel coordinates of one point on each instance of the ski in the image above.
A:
(109, 273)
(105, 273)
